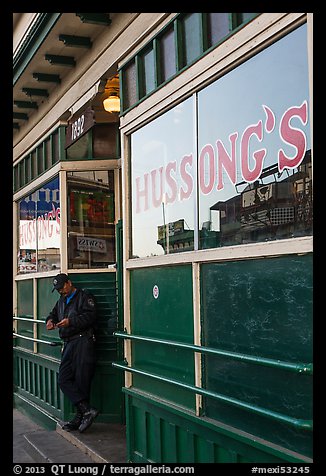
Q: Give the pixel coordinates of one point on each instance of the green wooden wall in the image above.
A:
(256, 316)
(169, 316)
(35, 374)
(261, 308)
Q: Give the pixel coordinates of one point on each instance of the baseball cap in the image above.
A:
(59, 281)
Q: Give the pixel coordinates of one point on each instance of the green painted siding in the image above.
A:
(46, 300)
(161, 433)
(25, 309)
(170, 316)
(261, 308)
(35, 375)
(106, 388)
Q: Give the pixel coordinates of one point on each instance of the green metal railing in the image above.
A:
(294, 367)
(298, 367)
(34, 339)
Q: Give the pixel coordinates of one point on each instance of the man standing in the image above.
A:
(74, 315)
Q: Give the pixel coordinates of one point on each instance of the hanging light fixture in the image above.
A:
(112, 102)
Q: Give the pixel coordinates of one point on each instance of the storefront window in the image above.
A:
(254, 163)
(163, 184)
(91, 219)
(39, 229)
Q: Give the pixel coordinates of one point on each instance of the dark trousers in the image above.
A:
(77, 369)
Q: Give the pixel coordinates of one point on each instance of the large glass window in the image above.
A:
(91, 219)
(253, 160)
(163, 184)
(39, 229)
(254, 163)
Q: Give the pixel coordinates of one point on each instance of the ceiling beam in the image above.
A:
(77, 41)
(26, 104)
(60, 60)
(35, 92)
(95, 18)
(47, 78)
(20, 115)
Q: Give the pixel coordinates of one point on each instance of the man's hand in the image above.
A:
(50, 325)
(63, 323)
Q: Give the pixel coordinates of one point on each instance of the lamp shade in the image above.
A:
(112, 103)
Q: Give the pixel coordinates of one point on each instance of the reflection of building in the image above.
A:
(277, 209)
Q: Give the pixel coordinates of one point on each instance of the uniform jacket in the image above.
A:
(80, 310)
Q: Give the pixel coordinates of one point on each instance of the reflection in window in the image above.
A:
(148, 71)
(91, 219)
(163, 184)
(167, 55)
(217, 26)
(191, 37)
(255, 180)
(129, 85)
(39, 229)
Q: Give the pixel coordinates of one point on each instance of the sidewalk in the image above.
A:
(101, 443)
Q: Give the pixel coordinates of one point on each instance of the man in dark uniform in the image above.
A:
(75, 315)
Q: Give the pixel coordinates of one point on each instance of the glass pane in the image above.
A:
(39, 229)
(129, 85)
(149, 71)
(254, 170)
(218, 27)
(163, 184)
(167, 48)
(91, 219)
(191, 37)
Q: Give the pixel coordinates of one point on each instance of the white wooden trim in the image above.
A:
(63, 222)
(197, 331)
(267, 249)
(68, 166)
(126, 241)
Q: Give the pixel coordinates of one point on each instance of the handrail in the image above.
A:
(32, 321)
(36, 340)
(299, 367)
(296, 422)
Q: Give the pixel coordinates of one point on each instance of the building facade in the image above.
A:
(164, 161)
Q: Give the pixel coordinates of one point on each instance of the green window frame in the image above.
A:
(40, 159)
(192, 34)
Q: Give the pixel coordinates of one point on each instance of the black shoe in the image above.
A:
(74, 423)
(88, 418)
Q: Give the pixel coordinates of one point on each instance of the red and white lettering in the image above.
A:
(157, 198)
(171, 181)
(248, 174)
(226, 162)
(293, 136)
(207, 151)
(141, 193)
(186, 177)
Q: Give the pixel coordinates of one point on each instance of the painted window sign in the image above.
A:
(39, 229)
(253, 164)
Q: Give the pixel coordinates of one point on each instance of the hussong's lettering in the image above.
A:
(243, 156)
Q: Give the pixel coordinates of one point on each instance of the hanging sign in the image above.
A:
(79, 125)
